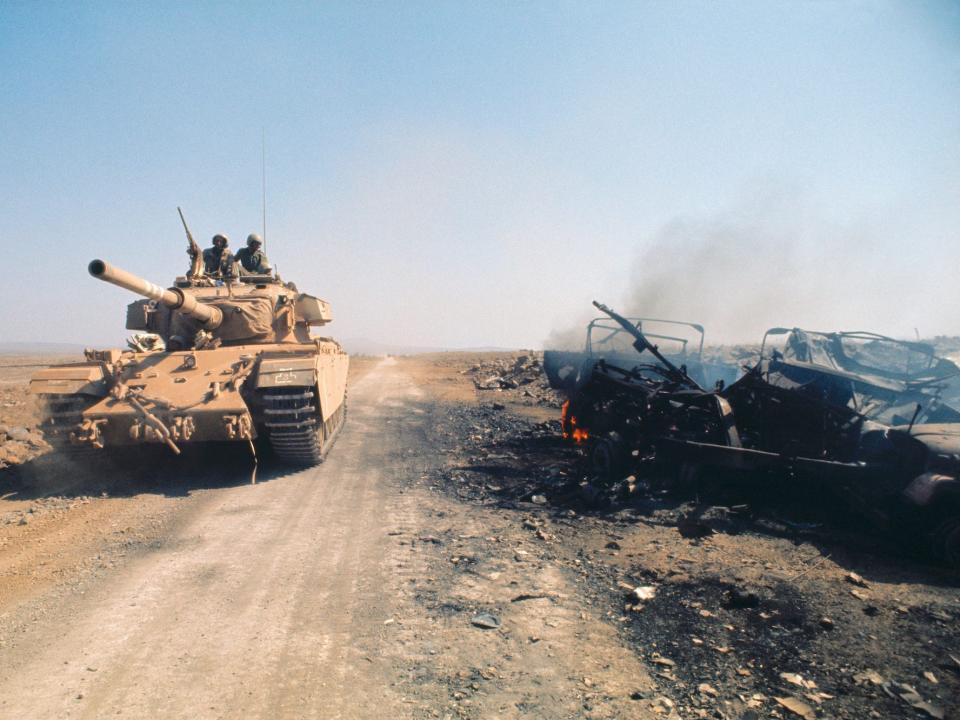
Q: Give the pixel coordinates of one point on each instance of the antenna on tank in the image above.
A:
(263, 181)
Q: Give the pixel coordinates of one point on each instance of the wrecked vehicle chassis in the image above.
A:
(779, 423)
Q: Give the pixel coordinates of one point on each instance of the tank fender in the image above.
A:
(287, 372)
(930, 487)
(84, 378)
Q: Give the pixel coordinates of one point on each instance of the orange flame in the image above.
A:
(568, 425)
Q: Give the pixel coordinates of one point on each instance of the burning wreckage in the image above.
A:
(859, 415)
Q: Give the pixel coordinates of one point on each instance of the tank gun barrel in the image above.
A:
(210, 317)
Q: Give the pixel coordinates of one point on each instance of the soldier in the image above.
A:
(217, 260)
(253, 261)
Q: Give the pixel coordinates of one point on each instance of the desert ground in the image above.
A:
(446, 561)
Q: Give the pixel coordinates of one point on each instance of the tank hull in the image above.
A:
(230, 394)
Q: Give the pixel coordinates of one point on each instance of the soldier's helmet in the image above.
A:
(220, 240)
(254, 239)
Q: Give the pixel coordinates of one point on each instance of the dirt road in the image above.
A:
(349, 590)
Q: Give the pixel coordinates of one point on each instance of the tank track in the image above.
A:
(293, 425)
(62, 413)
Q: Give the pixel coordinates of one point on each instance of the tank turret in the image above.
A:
(243, 310)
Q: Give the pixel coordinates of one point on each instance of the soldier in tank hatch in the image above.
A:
(253, 260)
(217, 260)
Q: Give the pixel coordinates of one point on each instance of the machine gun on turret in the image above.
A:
(193, 250)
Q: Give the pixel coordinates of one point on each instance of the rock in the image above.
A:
(868, 676)
(797, 707)
(930, 677)
(19, 433)
(612, 545)
(662, 704)
(854, 579)
(499, 406)
(738, 598)
(909, 695)
(486, 621)
(658, 660)
(798, 680)
(538, 499)
(826, 623)
(692, 529)
(644, 593)
(705, 689)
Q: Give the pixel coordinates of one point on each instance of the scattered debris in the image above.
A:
(486, 621)
(795, 679)
(909, 695)
(871, 677)
(854, 579)
(797, 707)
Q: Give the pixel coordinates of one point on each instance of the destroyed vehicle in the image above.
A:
(227, 359)
(882, 378)
(785, 420)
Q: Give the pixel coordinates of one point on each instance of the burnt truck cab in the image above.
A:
(608, 342)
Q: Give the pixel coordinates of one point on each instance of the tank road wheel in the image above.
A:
(297, 434)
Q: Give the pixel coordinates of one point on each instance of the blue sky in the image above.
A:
(457, 174)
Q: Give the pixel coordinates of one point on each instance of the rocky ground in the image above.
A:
(19, 439)
(752, 608)
(463, 568)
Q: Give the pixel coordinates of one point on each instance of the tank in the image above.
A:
(214, 360)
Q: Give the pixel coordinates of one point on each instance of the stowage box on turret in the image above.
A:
(227, 359)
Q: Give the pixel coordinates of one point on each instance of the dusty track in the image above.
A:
(333, 592)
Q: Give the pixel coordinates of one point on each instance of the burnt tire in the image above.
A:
(946, 540)
(688, 478)
(609, 458)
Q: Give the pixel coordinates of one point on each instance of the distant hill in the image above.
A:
(364, 346)
(39, 348)
(354, 346)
